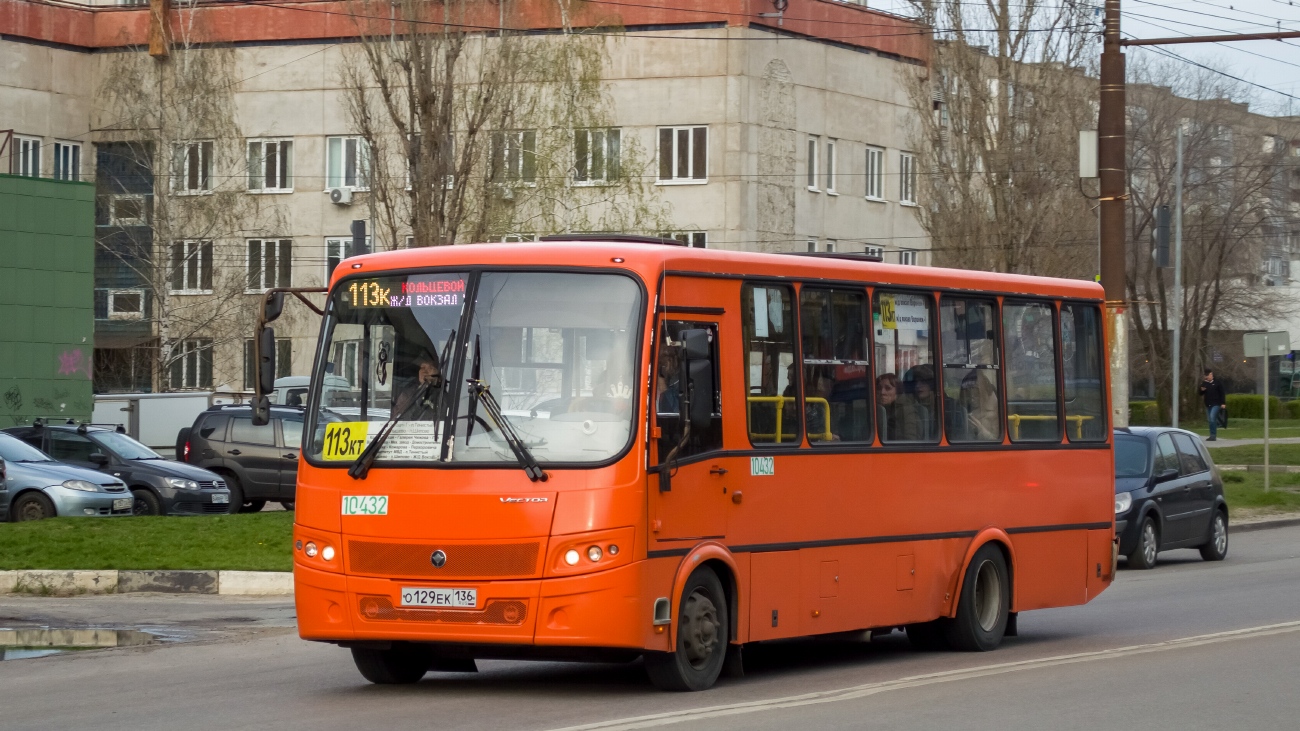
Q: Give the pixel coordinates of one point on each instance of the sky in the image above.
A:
(1273, 66)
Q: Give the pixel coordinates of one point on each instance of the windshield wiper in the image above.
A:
(366, 459)
(478, 391)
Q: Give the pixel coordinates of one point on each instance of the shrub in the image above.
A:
(1251, 406)
(1143, 413)
(1291, 409)
(1233, 477)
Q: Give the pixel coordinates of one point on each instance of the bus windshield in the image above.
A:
(555, 349)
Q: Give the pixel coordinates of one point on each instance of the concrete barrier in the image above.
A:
(255, 583)
(169, 582)
(63, 583)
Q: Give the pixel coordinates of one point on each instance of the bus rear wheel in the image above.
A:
(982, 608)
(702, 638)
(399, 665)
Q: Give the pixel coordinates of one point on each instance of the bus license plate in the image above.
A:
(453, 598)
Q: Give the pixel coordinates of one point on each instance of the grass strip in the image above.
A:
(1250, 428)
(247, 542)
(1245, 491)
(1288, 454)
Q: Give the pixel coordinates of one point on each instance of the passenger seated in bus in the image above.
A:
(668, 383)
(816, 408)
(428, 379)
(979, 398)
(887, 407)
(920, 409)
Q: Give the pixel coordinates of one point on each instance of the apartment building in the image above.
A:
(763, 130)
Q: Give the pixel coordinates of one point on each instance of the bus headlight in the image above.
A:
(594, 553)
(576, 553)
(571, 557)
(310, 549)
(1123, 501)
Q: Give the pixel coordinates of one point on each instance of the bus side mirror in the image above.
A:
(272, 306)
(699, 378)
(266, 361)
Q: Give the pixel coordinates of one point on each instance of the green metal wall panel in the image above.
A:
(47, 254)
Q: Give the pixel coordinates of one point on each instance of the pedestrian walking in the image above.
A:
(1215, 402)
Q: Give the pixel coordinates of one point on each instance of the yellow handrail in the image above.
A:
(1015, 419)
(780, 408)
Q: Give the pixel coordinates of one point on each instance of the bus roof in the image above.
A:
(650, 260)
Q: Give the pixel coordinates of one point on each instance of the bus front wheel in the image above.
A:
(982, 608)
(702, 637)
(399, 665)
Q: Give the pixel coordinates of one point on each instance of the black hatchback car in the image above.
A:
(160, 486)
(1168, 494)
(259, 463)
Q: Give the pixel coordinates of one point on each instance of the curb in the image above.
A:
(1282, 468)
(231, 583)
(1263, 525)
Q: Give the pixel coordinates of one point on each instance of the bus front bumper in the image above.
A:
(613, 609)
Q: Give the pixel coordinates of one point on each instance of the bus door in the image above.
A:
(691, 503)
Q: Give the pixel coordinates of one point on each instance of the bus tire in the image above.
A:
(399, 665)
(928, 636)
(983, 606)
(702, 637)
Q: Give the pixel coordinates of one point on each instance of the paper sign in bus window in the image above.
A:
(411, 441)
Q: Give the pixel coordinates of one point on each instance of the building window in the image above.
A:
(283, 361)
(191, 267)
(830, 167)
(875, 173)
(270, 166)
(693, 239)
(347, 163)
(513, 239)
(907, 178)
(270, 263)
(338, 248)
(907, 256)
(812, 245)
(876, 251)
(812, 164)
(192, 167)
(683, 154)
(191, 365)
(127, 209)
(830, 246)
(25, 156)
(67, 161)
(125, 304)
(596, 155)
(514, 156)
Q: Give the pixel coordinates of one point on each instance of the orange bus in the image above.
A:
(609, 447)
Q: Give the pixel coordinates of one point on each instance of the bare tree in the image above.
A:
(482, 132)
(1235, 201)
(174, 211)
(997, 118)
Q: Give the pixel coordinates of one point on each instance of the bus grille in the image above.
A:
(488, 560)
(507, 612)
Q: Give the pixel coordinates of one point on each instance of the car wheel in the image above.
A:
(702, 638)
(146, 503)
(400, 665)
(1148, 547)
(928, 636)
(286, 504)
(982, 608)
(1217, 548)
(252, 506)
(32, 506)
(236, 492)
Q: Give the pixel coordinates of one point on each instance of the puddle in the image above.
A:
(20, 644)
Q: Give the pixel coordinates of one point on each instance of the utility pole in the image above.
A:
(1111, 152)
(1113, 170)
(1178, 276)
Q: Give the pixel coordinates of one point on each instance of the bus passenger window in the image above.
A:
(971, 407)
(771, 386)
(1082, 358)
(836, 369)
(908, 409)
(1031, 372)
(668, 393)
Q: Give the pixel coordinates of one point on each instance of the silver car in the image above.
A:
(33, 486)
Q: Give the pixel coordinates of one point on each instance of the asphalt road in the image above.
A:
(1189, 645)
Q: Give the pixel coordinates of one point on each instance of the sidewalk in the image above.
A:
(1243, 442)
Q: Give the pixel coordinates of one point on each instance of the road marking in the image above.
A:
(914, 681)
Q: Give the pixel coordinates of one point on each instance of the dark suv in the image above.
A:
(259, 463)
(160, 486)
